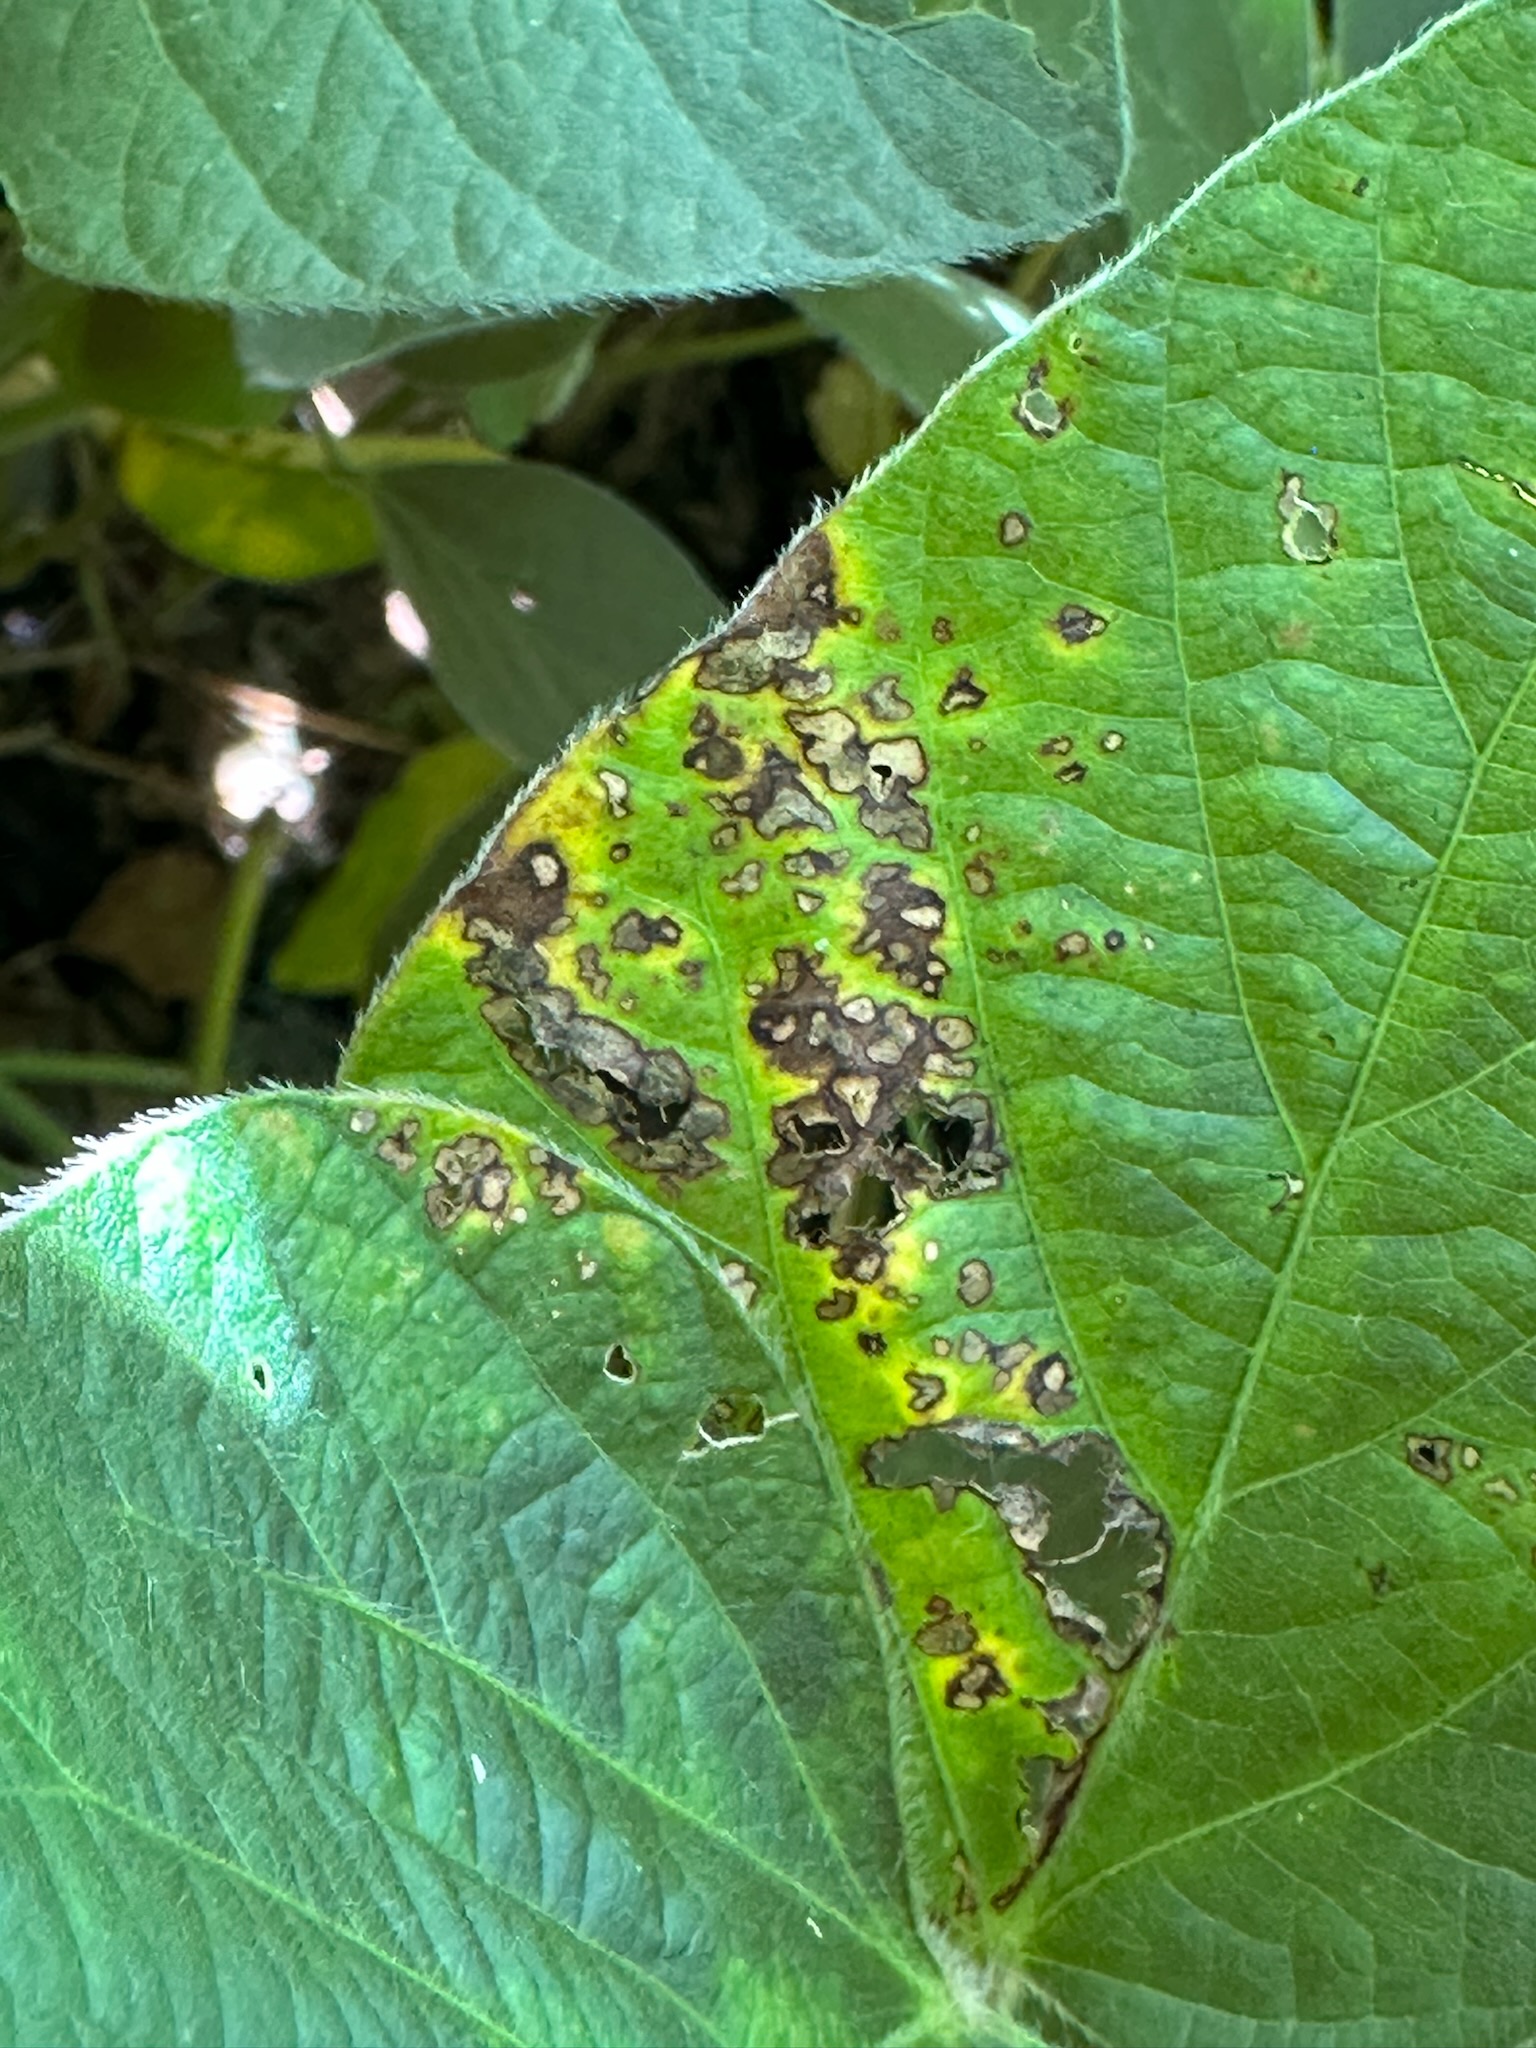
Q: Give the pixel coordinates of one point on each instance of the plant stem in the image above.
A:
(68, 654)
(237, 934)
(45, 1135)
(94, 1069)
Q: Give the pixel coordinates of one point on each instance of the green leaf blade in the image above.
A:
(431, 1688)
(624, 152)
(499, 565)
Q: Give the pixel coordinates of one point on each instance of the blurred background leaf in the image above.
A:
(1368, 31)
(502, 565)
(1201, 82)
(917, 334)
(262, 508)
(447, 793)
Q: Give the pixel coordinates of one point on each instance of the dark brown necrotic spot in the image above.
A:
(975, 1283)
(1097, 1551)
(637, 933)
(735, 1417)
(469, 1173)
(713, 754)
(1073, 946)
(812, 862)
(838, 1304)
(871, 1343)
(619, 1366)
(768, 639)
(947, 1632)
(869, 1135)
(902, 921)
(881, 773)
(925, 1390)
(777, 800)
(1049, 1385)
(598, 1072)
(1042, 416)
(963, 693)
(1075, 623)
(976, 1683)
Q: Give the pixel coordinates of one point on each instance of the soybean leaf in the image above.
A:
(1368, 31)
(502, 564)
(1201, 81)
(286, 351)
(917, 334)
(422, 158)
(158, 361)
(480, 1690)
(257, 506)
(1069, 938)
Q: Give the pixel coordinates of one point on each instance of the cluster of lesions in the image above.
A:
(469, 1177)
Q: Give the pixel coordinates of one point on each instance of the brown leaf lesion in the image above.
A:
(598, 1072)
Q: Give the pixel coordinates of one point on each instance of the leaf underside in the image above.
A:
(1030, 1030)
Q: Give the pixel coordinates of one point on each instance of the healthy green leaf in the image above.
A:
(424, 158)
(481, 1698)
(501, 564)
(1069, 936)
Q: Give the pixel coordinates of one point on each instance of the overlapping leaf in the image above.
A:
(1066, 948)
(423, 157)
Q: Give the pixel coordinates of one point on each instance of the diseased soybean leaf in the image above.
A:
(501, 563)
(395, 1644)
(1070, 936)
(424, 157)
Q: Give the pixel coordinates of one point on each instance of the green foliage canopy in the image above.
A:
(913, 1320)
